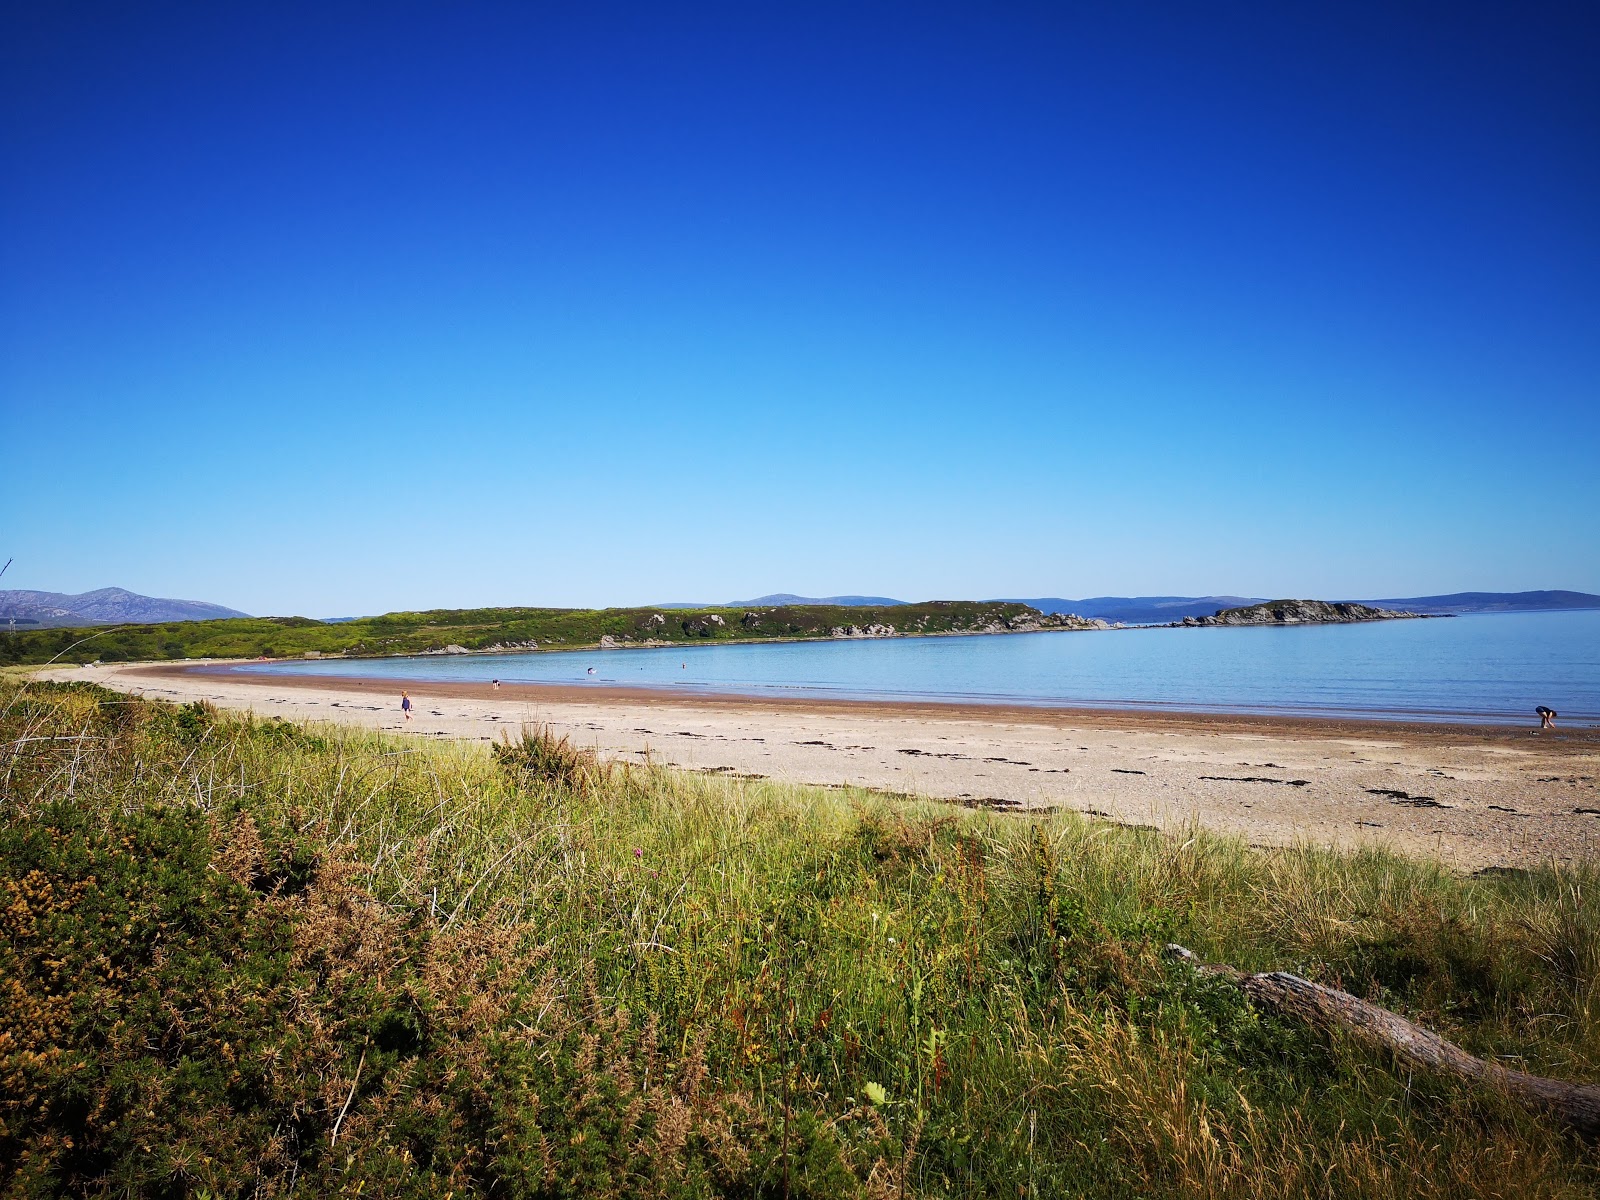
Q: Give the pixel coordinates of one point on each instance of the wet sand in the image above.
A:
(1471, 796)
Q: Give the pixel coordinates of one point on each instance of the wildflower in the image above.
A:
(638, 853)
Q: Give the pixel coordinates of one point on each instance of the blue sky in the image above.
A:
(346, 308)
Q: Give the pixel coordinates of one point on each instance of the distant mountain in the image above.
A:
(1492, 602)
(788, 598)
(1150, 610)
(107, 606)
(1140, 610)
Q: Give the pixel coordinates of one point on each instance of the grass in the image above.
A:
(248, 958)
(500, 628)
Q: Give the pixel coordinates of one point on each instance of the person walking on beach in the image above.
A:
(1547, 717)
(496, 683)
(405, 704)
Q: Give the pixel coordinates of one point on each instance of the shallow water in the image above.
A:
(1482, 668)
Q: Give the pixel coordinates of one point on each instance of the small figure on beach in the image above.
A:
(496, 683)
(405, 704)
(1547, 717)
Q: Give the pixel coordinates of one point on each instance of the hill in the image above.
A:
(791, 598)
(106, 606)
(1140, 610)
(463, 630)
(1493, 602)
(1151, 610)
(843, 601)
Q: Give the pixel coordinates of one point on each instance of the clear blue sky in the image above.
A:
(331, 308)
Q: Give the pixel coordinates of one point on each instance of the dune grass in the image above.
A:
(249, 958)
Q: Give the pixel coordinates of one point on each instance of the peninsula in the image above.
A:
(462, 631)
(1297, 612)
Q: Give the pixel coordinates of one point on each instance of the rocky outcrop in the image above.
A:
(1030, 622)
(1024, 622)
(706, 626)
(1297, 612)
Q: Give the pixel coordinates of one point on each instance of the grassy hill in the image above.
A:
(248, 958)
(507, 628)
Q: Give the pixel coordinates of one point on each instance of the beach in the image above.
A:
(1471, 797)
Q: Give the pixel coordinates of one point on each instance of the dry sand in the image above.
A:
(1473, 797)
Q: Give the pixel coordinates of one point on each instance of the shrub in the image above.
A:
(542, 756)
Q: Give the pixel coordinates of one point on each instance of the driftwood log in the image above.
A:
(1576, 1105)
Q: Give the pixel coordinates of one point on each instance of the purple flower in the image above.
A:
(638, 853)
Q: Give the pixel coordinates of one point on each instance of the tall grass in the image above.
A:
(524, 973)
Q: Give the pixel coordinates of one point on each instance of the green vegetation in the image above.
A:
(504, 628)
(246, 958)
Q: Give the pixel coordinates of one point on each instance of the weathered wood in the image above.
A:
(1575, 1104)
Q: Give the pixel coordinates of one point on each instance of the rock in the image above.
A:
(1296, 612)
(454, 649)
(704, 626)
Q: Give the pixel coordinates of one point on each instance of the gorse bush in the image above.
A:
(248, 958)
(476, 1066)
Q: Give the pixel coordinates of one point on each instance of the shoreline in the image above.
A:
(1470, 797)
(1117, 714)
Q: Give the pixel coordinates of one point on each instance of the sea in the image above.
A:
(1492, 668)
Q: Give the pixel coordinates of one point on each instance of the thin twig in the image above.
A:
(353, 1083)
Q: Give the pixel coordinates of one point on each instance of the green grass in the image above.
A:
(486, 628)
(523, 973)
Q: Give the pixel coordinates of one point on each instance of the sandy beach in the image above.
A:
(1473, 797)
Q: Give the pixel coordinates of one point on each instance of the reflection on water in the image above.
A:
(1496, 668)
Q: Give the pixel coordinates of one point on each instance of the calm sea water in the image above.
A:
(1483, 668)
